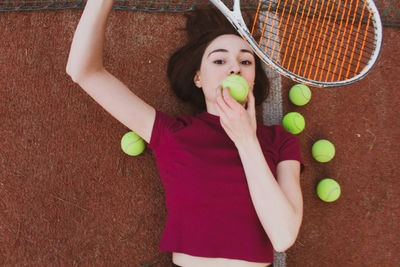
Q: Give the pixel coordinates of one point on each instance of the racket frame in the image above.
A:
(235, 18)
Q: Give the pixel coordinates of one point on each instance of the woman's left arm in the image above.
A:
(278, 202)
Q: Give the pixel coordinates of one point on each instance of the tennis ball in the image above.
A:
(293, 122)
(300, 94)
(328, 190)
(132, 144)
(323, 151)
(238, 87)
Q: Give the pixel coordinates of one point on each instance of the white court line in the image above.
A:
(272, 114)
(272, 107)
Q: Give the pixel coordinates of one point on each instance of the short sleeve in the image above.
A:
(289, 147)
(161, 129)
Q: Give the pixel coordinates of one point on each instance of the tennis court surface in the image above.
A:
(69, 196)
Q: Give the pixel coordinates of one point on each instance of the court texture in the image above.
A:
(69, 196)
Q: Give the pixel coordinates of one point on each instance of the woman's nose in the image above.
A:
(235, 69)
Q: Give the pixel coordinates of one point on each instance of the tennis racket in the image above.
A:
(322, 43)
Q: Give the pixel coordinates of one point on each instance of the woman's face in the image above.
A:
(225, 55)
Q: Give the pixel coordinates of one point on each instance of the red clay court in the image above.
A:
(69, 196)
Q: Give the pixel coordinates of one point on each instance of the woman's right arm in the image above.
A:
(85, 66)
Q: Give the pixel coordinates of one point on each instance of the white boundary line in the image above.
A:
(272, 107)
(272, 114)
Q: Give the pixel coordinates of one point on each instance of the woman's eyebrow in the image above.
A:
(225, 50)
(217, 50)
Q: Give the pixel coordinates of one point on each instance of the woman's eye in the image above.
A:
(246, 62)
(219, 61)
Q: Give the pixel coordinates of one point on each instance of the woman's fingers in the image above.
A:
(251, 105)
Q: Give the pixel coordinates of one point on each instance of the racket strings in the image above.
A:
(320, 40)
(307, 45)
(341, 30)
(310, 7)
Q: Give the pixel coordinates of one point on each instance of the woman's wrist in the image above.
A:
(100, 3)
(248, 145)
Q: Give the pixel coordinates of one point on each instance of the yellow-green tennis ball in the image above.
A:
(132, 144)
(323, 151)
(294, 122)
(300, 94)
(238, 87)
(328, 190)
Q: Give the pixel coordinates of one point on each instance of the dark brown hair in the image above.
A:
(202, 27)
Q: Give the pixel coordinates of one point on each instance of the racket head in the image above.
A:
(320, 43)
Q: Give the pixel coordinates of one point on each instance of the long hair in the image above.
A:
(202, 27)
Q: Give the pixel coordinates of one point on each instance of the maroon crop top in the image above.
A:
(210, 212)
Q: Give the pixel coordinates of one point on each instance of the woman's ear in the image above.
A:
(196, 79)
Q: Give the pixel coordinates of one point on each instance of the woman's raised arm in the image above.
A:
(85, 66)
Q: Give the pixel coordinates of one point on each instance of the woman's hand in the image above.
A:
(238, 122)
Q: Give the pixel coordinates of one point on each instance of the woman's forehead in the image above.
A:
(229, 42)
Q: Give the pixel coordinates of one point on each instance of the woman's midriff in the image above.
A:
(185, 260)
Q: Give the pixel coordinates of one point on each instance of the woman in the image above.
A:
(232, 185)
